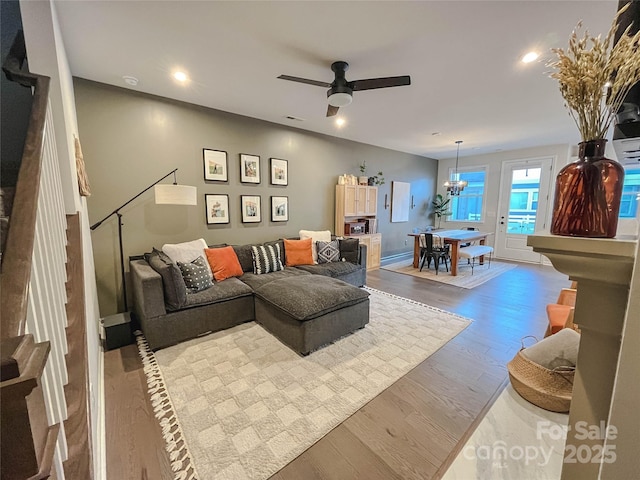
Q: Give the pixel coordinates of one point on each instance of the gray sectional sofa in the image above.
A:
(305, 306)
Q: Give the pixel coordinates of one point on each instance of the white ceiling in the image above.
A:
(463, 58)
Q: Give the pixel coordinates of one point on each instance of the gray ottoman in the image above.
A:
(308, 312)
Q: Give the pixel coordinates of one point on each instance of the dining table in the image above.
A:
(453, 238)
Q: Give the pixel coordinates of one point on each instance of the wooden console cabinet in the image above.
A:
(354, 203)
(373, 241)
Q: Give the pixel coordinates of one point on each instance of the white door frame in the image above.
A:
(513, 247)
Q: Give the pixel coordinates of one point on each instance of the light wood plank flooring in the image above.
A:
(414, 429)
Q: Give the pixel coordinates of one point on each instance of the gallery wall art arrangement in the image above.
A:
(216, 169)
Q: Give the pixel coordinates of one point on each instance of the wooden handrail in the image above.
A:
(18, 253)
(28, 441)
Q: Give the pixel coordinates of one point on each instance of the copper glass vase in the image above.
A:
(588, 193)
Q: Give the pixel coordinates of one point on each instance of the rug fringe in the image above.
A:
(414, 302)
(181, 463)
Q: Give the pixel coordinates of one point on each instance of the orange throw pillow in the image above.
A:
(224, 263)
(298, 252)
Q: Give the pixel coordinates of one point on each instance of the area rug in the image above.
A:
(238, 404)
(464, 279)
(515, 439)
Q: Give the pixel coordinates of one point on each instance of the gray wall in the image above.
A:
(15, 100)
(130, 140)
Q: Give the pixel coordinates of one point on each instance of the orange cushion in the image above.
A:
(298, 252)
(224, 263)
(558, 316)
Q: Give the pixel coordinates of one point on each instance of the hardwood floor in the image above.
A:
(412, 430)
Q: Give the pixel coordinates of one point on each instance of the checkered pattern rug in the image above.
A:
(238, 404)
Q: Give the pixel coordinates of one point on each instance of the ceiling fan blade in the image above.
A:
(373, 83)
(305, 80)
(331, 110)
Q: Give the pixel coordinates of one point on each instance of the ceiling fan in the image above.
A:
(340, 93)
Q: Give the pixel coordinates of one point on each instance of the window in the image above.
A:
(519, 200)
(630, 194)
(467, 207)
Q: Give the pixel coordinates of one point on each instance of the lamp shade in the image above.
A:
(176, 195)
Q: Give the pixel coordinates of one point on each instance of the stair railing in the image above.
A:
(32, 305)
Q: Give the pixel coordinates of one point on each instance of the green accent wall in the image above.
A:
(130, 140)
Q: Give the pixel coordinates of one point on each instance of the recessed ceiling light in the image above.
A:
(129, 80)
(180, 76)
(530, 57)
(340, 121)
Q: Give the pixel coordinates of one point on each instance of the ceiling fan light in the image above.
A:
(340, 99)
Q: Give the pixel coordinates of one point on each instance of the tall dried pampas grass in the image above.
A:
(595, 76)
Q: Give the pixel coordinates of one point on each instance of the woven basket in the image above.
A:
(548, 389)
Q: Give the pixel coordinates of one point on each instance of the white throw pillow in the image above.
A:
(186, 252)
(316, 236)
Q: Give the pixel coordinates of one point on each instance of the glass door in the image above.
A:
(522, 208)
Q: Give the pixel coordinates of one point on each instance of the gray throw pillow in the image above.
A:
(328, 251)
(350, 250)
(175, 291)
(196, 275)
(245, 257)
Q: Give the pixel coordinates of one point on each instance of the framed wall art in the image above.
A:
(215, 165)
(250, 205)
(279, 209)
(400, 195)
(279, 172)
(217, 208)
(249, 168)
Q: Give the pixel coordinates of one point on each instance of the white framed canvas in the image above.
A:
(400, 196)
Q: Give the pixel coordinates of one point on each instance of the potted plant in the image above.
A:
(377, 179)
(363, 179)
(441, 207)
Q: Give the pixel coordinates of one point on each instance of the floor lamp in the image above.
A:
(164, 194)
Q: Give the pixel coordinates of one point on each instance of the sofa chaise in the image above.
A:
(305, 306)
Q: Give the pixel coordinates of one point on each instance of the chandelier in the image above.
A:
(454, 185)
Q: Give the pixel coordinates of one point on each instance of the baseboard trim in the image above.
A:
(100, 462)
(395, 258)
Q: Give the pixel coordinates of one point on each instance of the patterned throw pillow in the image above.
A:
(315, 236)
(196, 275)
(266, 258)
(328, 251)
